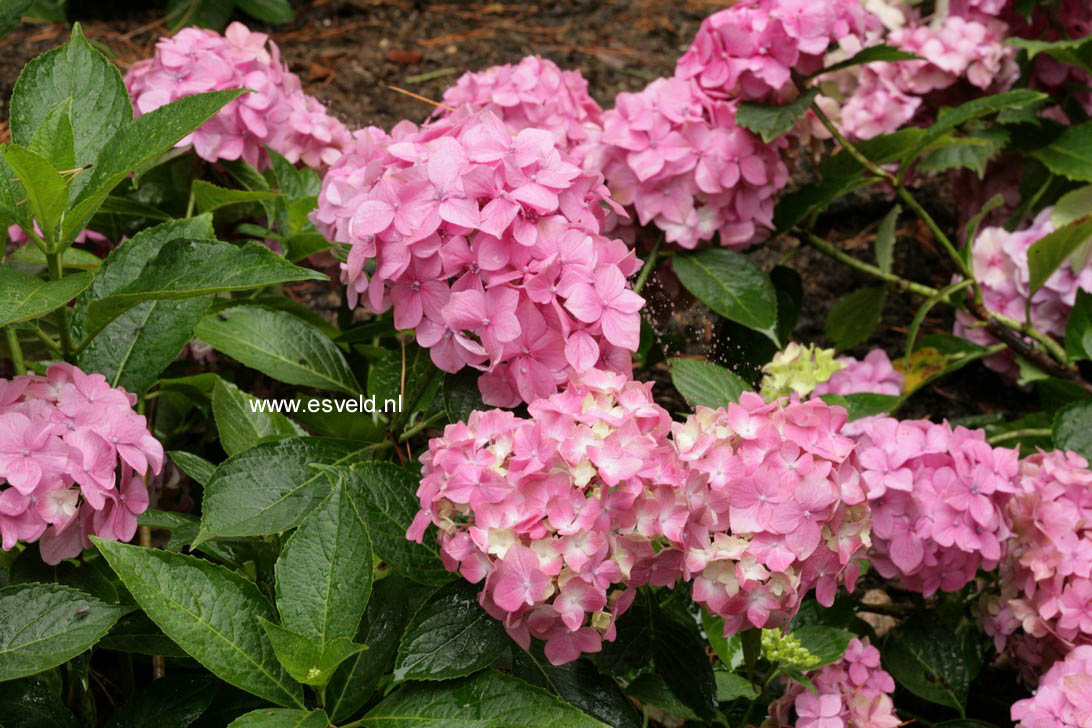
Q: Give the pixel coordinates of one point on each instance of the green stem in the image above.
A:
(1017, 434)
(190, 204)
(646, 271)
(827, 249)
(56, 272)
(1053, 347)
(420, 426)
(48, 341)
(16, 351)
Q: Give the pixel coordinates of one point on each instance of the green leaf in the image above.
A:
(855, 316)
(279, 345)
(136, 634)
(73, 258)
(790, 300)
(44, 625)
(792, 208)
(241, 427)
(100, 103)
(926, 658)
(133, 349)
(281, 718)
(30, 703)
(308, 661)
(631, 649)
(47, 193)
(579, 684)
(190, 268)
(1073, 428)
(461, 395)
(11, 13)
(324, 573)
(681, 661)
(707, 384)
(1069, 207)
(117, 205)
(1075, 52)
(208, 197)
(386, 495)
(274, 12)
(732, 285)
(885, 53)
(969, 152)
(1078, 330)
(728, 649)
(731, 686)
(1070, 155)
(271, 487)
(863, 404)
(53, 139)
(826, 643)
(449, 636)
(24, 297)
(650, 689)
(885, 239)
(173, 701)
(1049, 252)
(210, 612)
(489, 699)
(196, 467)
(882, 149)
(134, 145)
(772, 120)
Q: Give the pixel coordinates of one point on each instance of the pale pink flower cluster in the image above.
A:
(62, 439)
(750, 50)
(853, 692)
(889, 95)
(874, 374)
(1064, 696)
(684, 164)
(278, 113)
(1001, 267)
(18, 237)
(1045, 606)
(779, 508)
(938, 498)
(487, 243)
(558, 516)
(533, 93)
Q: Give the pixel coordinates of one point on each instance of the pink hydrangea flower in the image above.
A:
(776, 508)
(18, 237)
(874, 374)
(1064, 696)
(854, 692)
(278, 113)
(489, 243)
(938, 496)
(73, 458)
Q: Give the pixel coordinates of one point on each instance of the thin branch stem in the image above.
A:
(649, 265)
(15, 350)
(56, 272)
(424, 424)
(1017, 434)
(903, 284)
(48, 341)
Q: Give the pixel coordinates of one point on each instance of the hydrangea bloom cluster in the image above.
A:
(1064, 696)
(62, 439)
(750, 50)
(1045, 605)
(874, 374)
(557, 515)
(853, 692)
(778, 509)
(278, 113)
(938, 496)
(686, 166)
(1001, 267)
(488, 244)
(533, 93)
(17, 236)
(889, 95)
(798, 370)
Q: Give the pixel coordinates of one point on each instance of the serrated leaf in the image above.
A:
(279, 345)
(1070, 155)
(210, 612)
(885, 239)
(826, 643)
(173, 701)
(53, 139)
(324, 573)
(208, 197)
(1049, 252)
(731, 686)
(47, 193)
(772, 120)
(1076, 52)
(489, 699)
(196, 467)
(707, 384)
(238, 423)
(24, 297)
(449, 636)
(732, 285)
(1073, 429)
(271, 487)
(926, 658)
(855, 316)
(281, 718)
(971, 152)
(306, 660)
(185, 268)
(580, 684)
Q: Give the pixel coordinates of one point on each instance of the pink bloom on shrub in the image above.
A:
(63, 438)
(874, 374)
(1064, 696)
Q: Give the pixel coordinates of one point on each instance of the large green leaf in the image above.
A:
(47, 193)
(386, 494)
(136, 144)
(210, 612)
(489, 699)
(324, 573)
(279, 345)
(238, 423)
(855, 316)
(1076, 52)
(53, 140)
(826, 643)
(772, 120)
(43, 625)
(732, 285)
(29, 703)
(188, 268)
(281, 718)
(208, 197)
(24, 297)
(274, 12)
(580, 684)
(681, 661)
(173, 701)
(308, 661)
(76, 71)
(1073, 428)
(271, 487)
(1070, 155)
(885, 239)
(449, 636)
(926, 657)
(1049, 252)
(705, 383)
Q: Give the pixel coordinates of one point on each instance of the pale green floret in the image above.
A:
(786, 650)
(797, 369)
